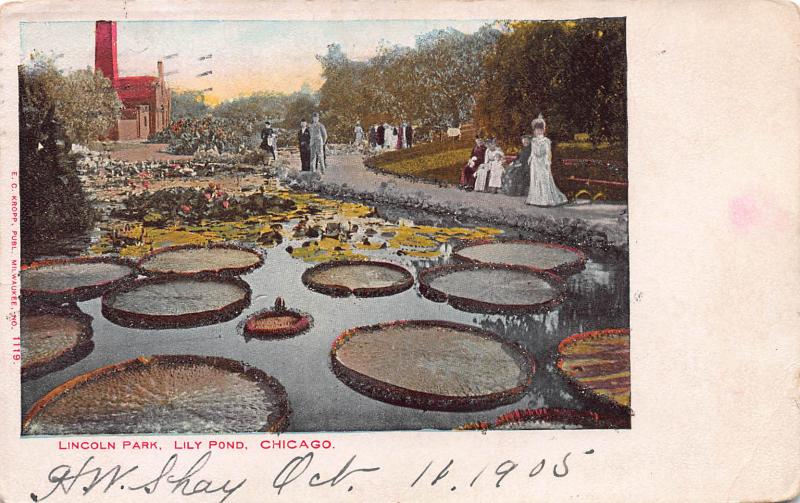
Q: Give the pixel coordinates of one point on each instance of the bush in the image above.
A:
(54, 203)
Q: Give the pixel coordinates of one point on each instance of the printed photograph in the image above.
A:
(323, 226)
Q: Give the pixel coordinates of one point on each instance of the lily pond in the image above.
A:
(295, 231)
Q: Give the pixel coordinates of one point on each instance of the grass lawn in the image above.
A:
(442, 161)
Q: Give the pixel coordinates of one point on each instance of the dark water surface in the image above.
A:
(598, 298)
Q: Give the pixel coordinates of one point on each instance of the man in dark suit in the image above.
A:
(304, 139)
(268, 140)
(381, 135)
(409, 135)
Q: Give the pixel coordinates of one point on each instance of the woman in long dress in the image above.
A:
(543, 190)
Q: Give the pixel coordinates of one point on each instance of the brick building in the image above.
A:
(145, 99)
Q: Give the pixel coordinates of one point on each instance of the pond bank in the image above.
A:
(592, 225)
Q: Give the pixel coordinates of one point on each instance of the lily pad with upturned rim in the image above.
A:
(53, 338)
(360, 278)
(276, 324)
(163, 394)
(176, 301)
(432, 365)
(73, 279)
(598, 362)
(490, 288)
(552, 257)
(222, 259)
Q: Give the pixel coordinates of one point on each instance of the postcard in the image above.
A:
(400, 251)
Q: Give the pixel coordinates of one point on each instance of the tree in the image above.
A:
(301, 106)
(54, 203)
(253, 109)
(433, 84)
(86, 104)
(188, 105)
(449, 68)
(573, 72)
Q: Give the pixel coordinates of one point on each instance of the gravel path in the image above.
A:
(595, 224)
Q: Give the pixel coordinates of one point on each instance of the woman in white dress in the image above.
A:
(543, 190)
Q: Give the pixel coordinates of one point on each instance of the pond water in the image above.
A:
(597, 298)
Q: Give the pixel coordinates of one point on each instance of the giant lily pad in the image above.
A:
(599, 363)
(163, 394)
(73, 279)
(169, 301)
(53, 338)
(489, 288)
(222, 259)
(552, 419)
(432, 365)
(359, 278)
(543, 256)
(274, 324)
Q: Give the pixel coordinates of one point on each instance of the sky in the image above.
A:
(247, 56)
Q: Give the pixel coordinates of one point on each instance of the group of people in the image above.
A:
(311, 139)
(530, 171)
(387, 137)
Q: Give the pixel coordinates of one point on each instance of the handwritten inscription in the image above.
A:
(299, 471)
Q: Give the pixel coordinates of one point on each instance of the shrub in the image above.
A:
(54, 203)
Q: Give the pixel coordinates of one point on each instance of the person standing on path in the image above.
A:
(381, 132)
(373, 137)
(319, 136)
(543, 190)
(359, 132)
(409, 135)
(304, 140)
(268, 140)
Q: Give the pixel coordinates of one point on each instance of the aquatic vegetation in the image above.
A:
(359, 278)
(326, 249)
(432, 365)
(599, 362)
(317, 229)
(163, 394)
(488, 288)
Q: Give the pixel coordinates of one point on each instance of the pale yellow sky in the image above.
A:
(247, 56)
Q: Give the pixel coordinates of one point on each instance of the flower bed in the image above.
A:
(195, 204)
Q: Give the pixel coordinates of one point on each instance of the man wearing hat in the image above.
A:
(268, 140)
(304, 139)
(319, 135)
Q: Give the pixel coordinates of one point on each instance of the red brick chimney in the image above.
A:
(105, 48)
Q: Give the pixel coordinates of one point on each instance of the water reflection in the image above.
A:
(597, 299)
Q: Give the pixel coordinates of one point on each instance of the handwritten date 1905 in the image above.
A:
(501, 471)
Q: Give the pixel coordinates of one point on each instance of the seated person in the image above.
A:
(468, 171)
(517, 176)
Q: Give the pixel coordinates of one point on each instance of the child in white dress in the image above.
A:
(496, 170)
(480, 176)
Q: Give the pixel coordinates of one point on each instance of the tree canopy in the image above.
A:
(573, 72)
